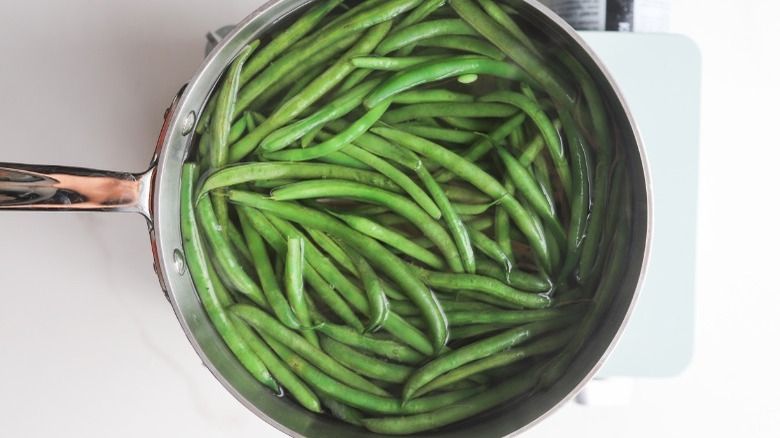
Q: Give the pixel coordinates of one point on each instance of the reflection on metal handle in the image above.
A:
(28, 187)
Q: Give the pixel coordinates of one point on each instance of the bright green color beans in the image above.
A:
(243, 173)
(269, 327)
(448, 109)
(391, 64)
(387, 349)
(333, 144)
(366, 365)
(391, 265)
(478, 403)
(475, 351)
(486, 285)
(459, 233)
(427, 29)
(265, 273)
(406, 235)
(212, 294)
(293, 284)
(438, 70)
(337, 108)
(393, 239)
(379, 307)
(481, 180)
(364, 400)
(465, 44)
(397, 176)
(225, 258)
(551, 136)
(531, 63)
(400, 205)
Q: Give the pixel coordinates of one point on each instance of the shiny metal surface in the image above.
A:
(164, 186)
(26, 187)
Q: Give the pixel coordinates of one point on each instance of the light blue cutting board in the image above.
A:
(660, 76)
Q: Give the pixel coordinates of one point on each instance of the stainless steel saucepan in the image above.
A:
(155, 195)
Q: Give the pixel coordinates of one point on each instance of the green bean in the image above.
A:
(516, 317)
(485, 285)
(340, 106)
(452, 219)
(226, 260)
(472, 209)
(379, 307)
(243, 173)
(598, 212)
(237, 129)
(265, 273)
(490, 248)
(332, 248)
(534, 65)
(419, 13)
(383, 12)
(352, 293)
(475, 330)
(335, 143)
(392, 239)
(391, 64)
(388, 349)
(431, 96)
(363, 400)
(618, 198)
(447, 109)
(546, 345)
(501, 228)
(422, 31)
(438, 70)
(516, 277)
(212, 293)
(472, 124)
(580, 200)
(478, 403)
(551, 136)
(485, 145)
(267, 326)
(221, 124)
(475, 351)
(342, 159)
(289, 381)
(395, 175)
(342, 411)
(379, 146)
(366, 365)
(481, 180)
(532, 193)
(501, 17)
(287, 38)
(296, 77)
(293, 282)
(237, 242)
(399, 204)
(263, 226)
(371, 249)
(441, 134)
(464, 44)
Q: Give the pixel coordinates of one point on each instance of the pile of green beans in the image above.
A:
(393, 205)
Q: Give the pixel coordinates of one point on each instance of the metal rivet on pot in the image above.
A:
(189, 123)
(178, 260)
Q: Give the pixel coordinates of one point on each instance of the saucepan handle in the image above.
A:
(58, 188)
